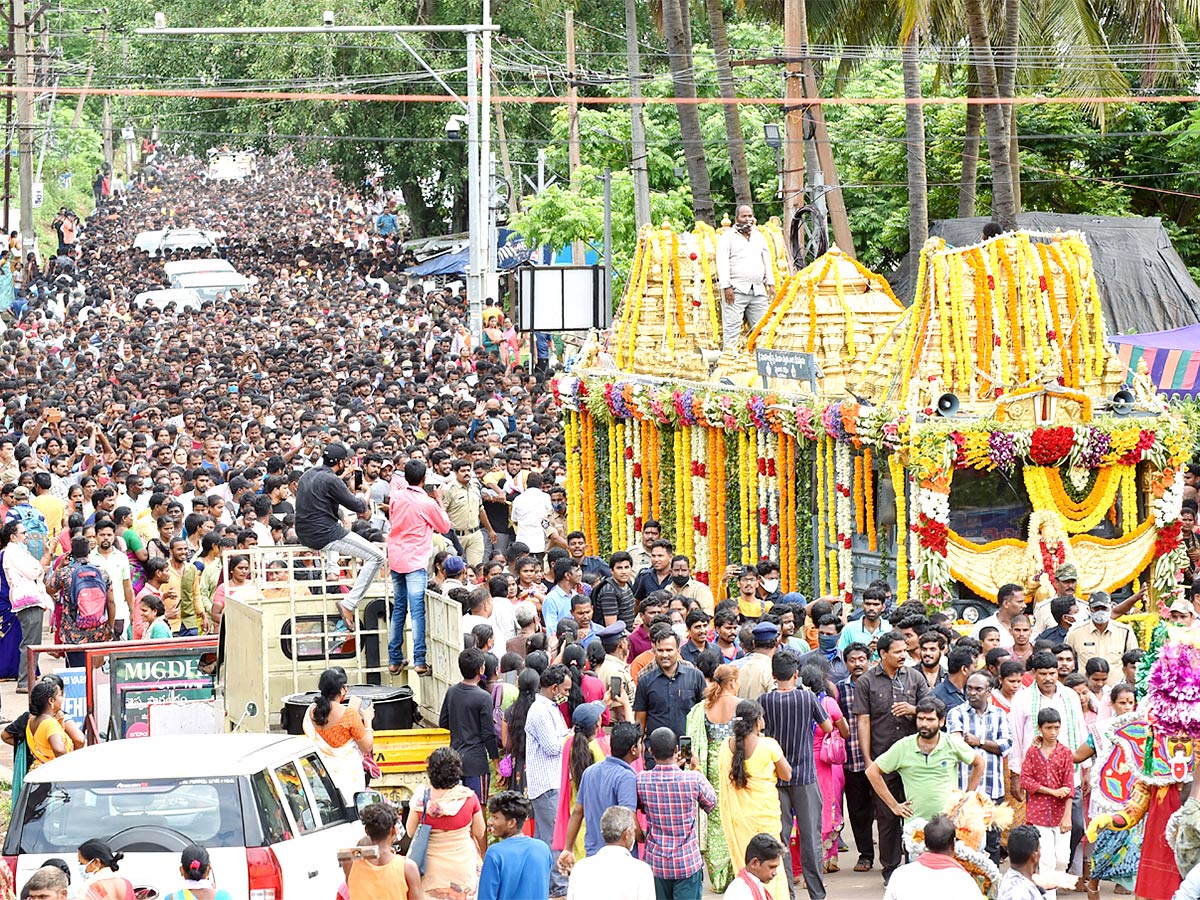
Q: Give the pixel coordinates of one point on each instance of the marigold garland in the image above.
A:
(860, 512)
(847, 313)
(944, 328)
(1044, 485)
(896, 470)
(869, 495)
(676, 285)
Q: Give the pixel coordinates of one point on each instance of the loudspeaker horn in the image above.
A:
(947, 405)
(1122, 402)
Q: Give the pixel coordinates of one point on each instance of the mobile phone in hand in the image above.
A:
(615, 686)
(685, 746)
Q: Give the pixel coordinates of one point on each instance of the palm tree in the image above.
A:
(995, 118)
(733, 121)
(676, 28)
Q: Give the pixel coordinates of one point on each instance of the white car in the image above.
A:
(160, 241)
(179, 267)
(210, 285)
(181, 298)
(263, 805)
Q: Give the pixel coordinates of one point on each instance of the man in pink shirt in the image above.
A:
(414, 516)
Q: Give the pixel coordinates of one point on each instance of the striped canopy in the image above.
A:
(1173, 358)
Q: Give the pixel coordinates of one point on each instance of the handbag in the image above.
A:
(833, 749)
(418, 848)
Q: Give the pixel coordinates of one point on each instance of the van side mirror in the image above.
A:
(363, 799)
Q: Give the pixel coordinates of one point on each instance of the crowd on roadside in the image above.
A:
(615, 716)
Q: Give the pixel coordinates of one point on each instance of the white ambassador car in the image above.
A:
(262, 804)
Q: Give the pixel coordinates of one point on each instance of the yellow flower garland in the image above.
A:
(944, 327)
(633, 302)
(705, 234)
(897, 473)
(752, 525)
(959, 324)
(847, 313)
(860, 503)
(1046, 494)
(676, 284)
(869, 494)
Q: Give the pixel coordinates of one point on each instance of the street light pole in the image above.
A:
(474, 225)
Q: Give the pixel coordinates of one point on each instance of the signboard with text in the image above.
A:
(142, 678)
(75, 694)
(788, 364)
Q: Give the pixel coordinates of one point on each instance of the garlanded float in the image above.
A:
(985, 434)
(661, 424)
(1008, 426)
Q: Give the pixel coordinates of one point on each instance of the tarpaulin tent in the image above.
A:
(510, 252)
(1173, 358)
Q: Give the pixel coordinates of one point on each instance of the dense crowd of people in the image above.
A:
(620, 728)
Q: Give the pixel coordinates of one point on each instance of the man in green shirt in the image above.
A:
(928, 765)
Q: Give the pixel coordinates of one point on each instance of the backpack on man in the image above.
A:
(88, 596)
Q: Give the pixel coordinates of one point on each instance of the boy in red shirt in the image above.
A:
(1048, 778)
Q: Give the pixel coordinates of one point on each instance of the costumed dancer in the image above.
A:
(1167, 762)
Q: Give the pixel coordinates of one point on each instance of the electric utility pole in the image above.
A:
(21, 78)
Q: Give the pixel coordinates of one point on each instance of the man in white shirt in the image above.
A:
(1010, 600)
(613, 873)
(764, 856)
(530, 512)
(744, 274)
(935, 873)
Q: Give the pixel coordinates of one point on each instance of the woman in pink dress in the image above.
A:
(829, 754)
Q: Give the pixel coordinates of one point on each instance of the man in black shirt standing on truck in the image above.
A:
(320, 494)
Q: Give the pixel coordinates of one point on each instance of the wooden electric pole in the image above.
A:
(574, 156)
(638, 165)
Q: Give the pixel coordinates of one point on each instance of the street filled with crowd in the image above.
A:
(621, 728)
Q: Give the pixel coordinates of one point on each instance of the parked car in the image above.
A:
(263, 805)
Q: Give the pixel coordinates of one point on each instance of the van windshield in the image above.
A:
(59, 817)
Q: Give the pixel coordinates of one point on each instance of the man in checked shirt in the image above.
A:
(984, 728)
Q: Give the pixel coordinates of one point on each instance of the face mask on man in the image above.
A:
(680, 580)
(770, 585)
(560, 507)
(1100, 616)
(744, 227)
(828, 642)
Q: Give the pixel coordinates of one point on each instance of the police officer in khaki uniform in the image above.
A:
(464, 506)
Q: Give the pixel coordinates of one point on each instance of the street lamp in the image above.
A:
(774, 139)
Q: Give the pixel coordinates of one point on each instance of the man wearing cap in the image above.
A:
(756, 679)
(1065, 582)
(320, 494)
(1101, 636)
(1182, 612)
(614, 639)
(464, 506)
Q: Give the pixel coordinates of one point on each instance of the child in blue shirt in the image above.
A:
(516, 867)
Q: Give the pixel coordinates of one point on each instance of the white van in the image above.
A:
(263, 805)
(191, 266)
(160, 241)
(182, 299)
(209, 284)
